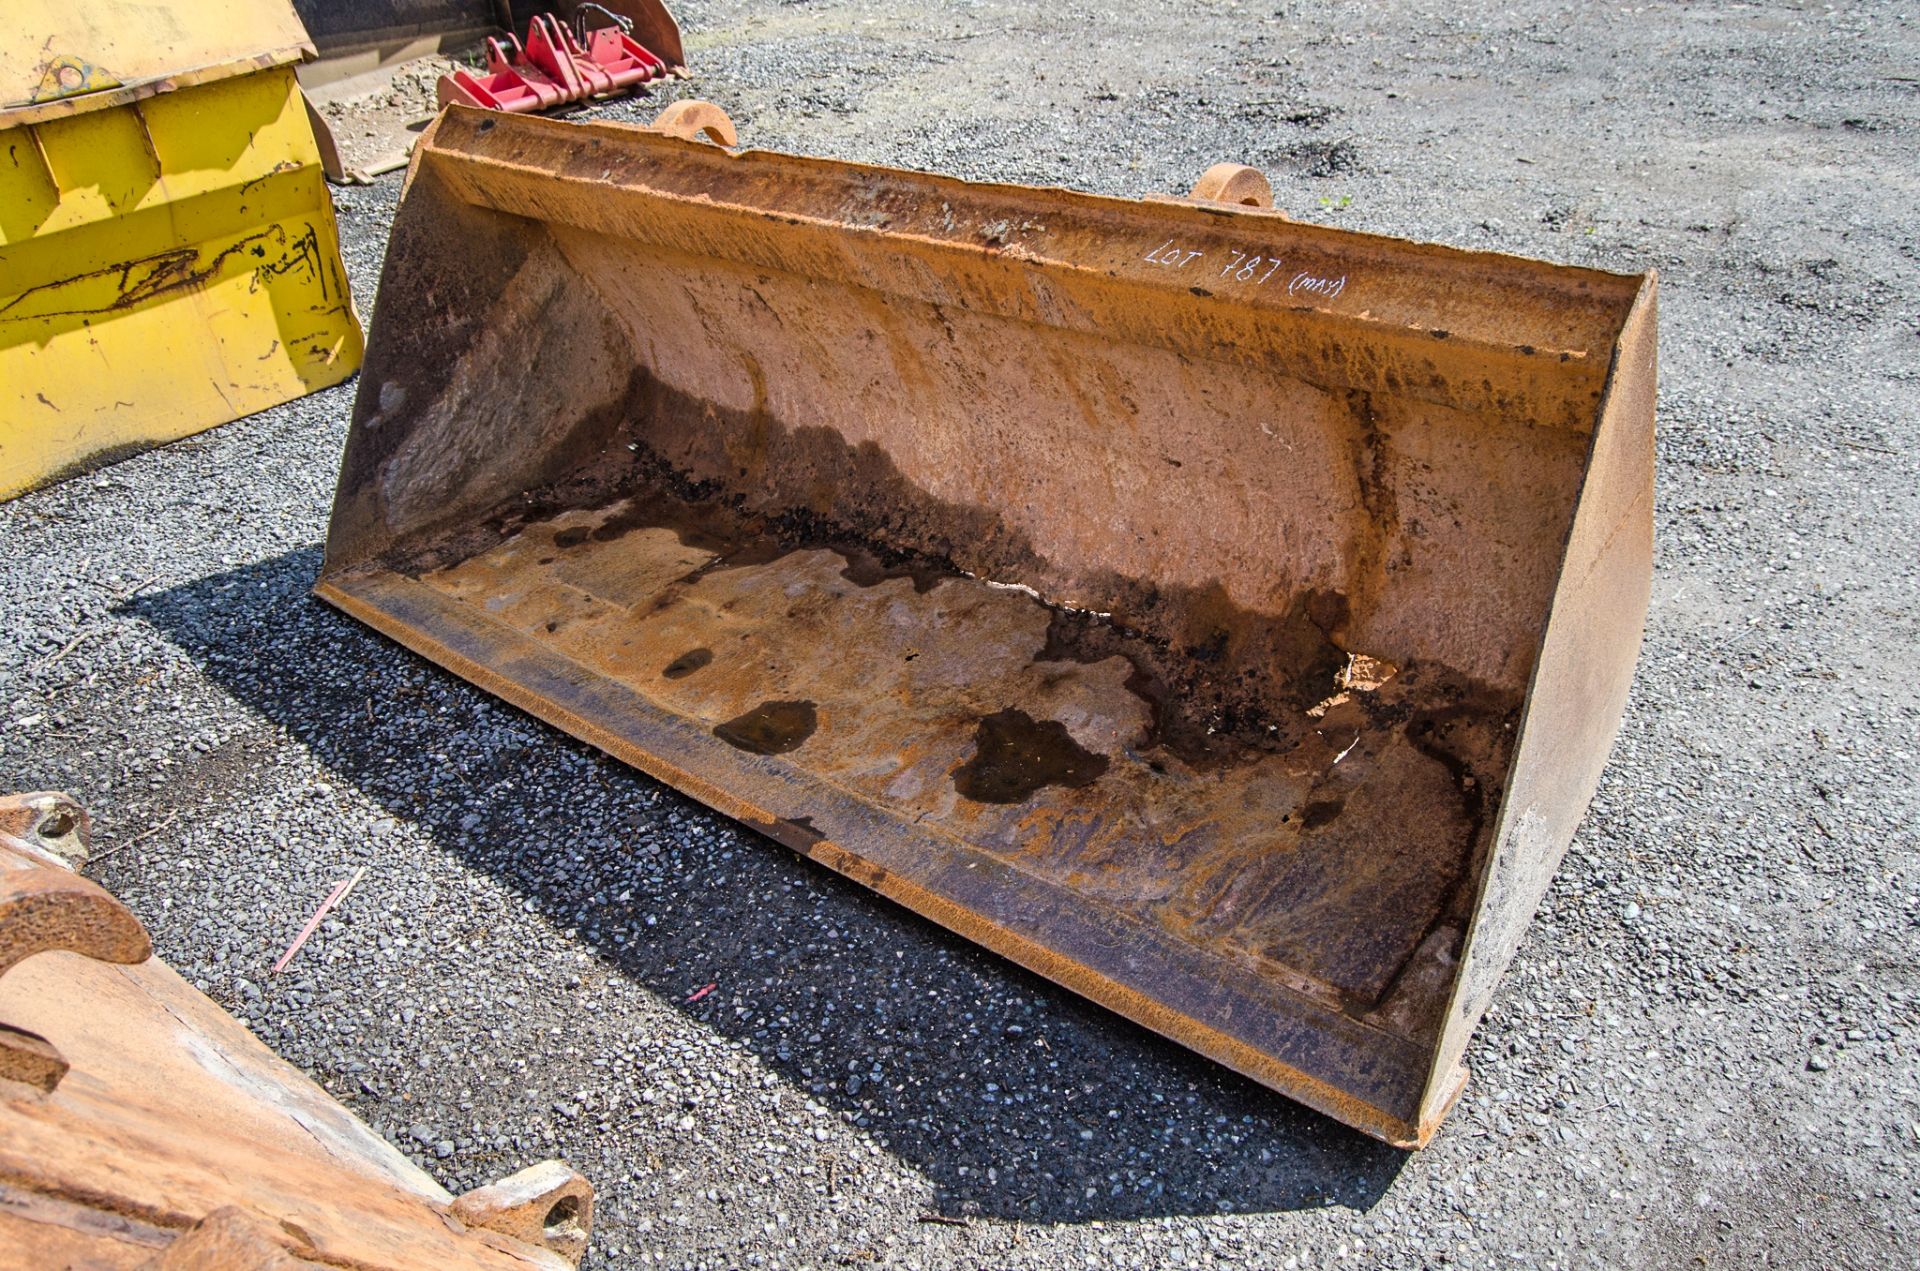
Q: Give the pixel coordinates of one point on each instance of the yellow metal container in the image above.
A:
(168, 254)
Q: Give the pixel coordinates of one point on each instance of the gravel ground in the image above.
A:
(1705, 1051)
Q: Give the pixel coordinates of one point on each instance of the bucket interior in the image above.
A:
(1200, 622)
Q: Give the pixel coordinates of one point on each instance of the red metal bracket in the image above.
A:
(553, 68)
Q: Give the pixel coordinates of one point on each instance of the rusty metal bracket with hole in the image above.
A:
(691, 119)
(45, 906)
(548, 1204)
(189, 1144)
(48, 825)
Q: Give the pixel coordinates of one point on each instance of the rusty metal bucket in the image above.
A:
(1225, 617)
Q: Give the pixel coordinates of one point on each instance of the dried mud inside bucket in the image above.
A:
(1320, 825)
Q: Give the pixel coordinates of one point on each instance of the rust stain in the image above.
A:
(132, 283)
(1015, 756)
(1064, 742)
(771, 728)
(687, 663)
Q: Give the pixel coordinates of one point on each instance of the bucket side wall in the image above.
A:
(1579, 688)
(491, 370)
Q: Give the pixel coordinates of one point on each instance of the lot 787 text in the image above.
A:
(1247, 267)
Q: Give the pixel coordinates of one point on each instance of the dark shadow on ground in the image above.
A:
(1001, 1070)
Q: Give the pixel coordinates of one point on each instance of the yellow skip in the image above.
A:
(168, 254)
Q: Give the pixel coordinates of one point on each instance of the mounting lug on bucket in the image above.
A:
(1234, 183)
(692, 117)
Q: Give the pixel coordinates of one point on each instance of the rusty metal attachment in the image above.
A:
(692, 119)
(555, 66)
(1234, 183)
(1225, 617)
(46, 824)
(45, 906)
(546, 1204)
(142, 1126)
